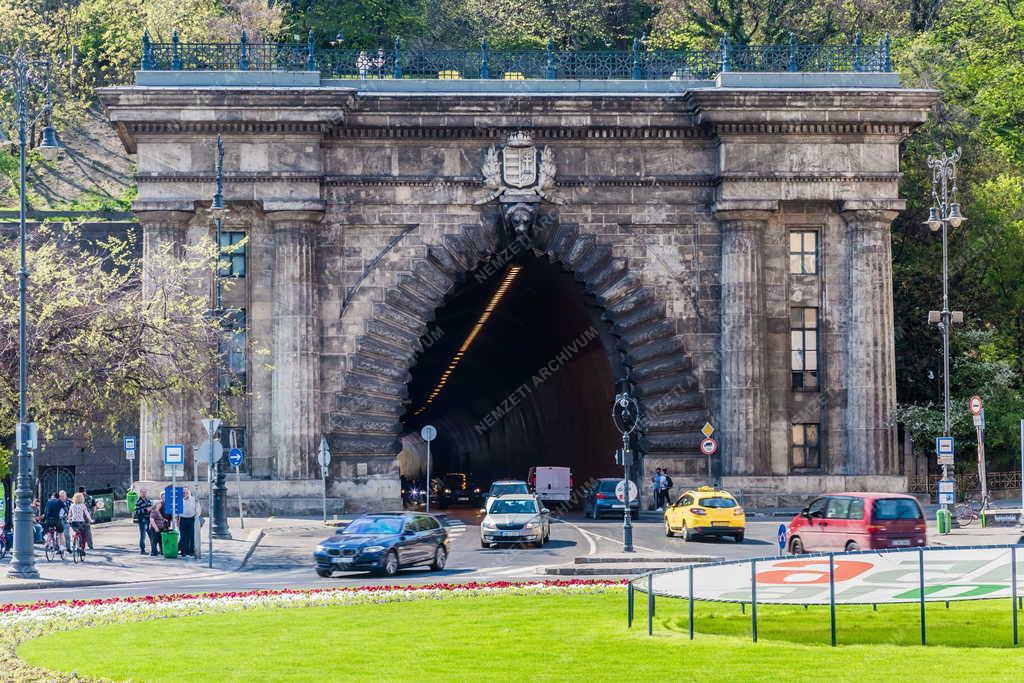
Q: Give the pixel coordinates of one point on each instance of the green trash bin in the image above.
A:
(942, 518)
(169, 541)
(131, 498)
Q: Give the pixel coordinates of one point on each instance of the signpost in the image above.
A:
(428, 434)
(978, 411)
(211, 425)
(130, 447)
(708, 447)
(174, 462)
(947, 492)
(944, 450)
(324, 458)
(235, 456)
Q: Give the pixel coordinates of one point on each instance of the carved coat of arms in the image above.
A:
(519, 168)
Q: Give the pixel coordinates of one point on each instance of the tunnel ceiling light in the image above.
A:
(499, 293)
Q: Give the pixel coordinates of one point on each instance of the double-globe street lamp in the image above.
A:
(626, 417)
(218, 481)
(25, 75)
(944, 214)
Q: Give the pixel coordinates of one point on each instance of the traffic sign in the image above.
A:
(976, 405)
(211, 425)
(944, 449)
(235, 456)
(707, 430)
(174, 454)
(324, 456)
(620, 491)
(429, 433)
(27, 432)
(782, 538)
(129, 455)
(708, 446)
(130, 443)
(979, 419)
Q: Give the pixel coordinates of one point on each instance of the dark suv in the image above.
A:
(458, 490)
(601, 500)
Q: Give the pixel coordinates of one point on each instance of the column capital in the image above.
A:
(178, 211)
(744, 210)
(294, 210)
(861, 212)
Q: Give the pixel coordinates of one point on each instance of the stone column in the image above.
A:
(870, 353)
(295, 384)
(165, 422)
(744, 429)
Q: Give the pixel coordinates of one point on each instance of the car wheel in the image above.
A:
(324, 573)
(390, 564)
(738, 537)
(796, 546)
(852, 547)
(668, 530)
(687, 536)
(440, 559)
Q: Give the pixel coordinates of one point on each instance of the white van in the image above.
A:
(551, 483)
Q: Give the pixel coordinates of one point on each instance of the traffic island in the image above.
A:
(625, 564)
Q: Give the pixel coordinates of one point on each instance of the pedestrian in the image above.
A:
(141, 517)
(656, 488)
(667, 497)
(37, 519)
(187, 523)
(66, 504)
(79, 516)
(158, 523)
(90, 504)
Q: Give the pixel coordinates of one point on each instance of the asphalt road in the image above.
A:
(284, 558)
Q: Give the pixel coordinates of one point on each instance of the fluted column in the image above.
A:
(295, 384)
(744, 400)
(870, 352)
(166, 421)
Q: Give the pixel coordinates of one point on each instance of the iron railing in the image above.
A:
(967, 483)
(395, 61)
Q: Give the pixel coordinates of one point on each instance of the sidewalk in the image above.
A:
(117, 560)
(975, 535)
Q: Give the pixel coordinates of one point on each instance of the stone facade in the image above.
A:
(364, 208)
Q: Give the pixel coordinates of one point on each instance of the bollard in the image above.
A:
(942, 521)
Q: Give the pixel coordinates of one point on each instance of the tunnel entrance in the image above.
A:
(517, 370)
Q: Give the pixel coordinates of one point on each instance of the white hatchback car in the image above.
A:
(517, 518)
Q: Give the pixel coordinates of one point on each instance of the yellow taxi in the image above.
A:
(705, 512)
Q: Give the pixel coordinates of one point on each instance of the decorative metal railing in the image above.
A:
(485, 63)
(967, 483)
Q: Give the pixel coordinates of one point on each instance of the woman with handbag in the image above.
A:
(158, 523)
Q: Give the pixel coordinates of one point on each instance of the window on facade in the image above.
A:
(803, 334)
(806, 453)
(233, 351)
(232, 254)
(234, 437)
(803, 252)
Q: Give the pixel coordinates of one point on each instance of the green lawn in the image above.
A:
(541, 638)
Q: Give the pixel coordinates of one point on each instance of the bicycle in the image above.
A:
(51, 544)
(969, 511)
(3, 541)
(78, 544)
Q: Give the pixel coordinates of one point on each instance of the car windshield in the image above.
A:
(895, 508)
(505, 489)
(455, 481)
(374, 525)
(608, 486)
(717, 502)
(513, 507)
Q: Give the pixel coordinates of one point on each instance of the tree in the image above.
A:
(102, 334)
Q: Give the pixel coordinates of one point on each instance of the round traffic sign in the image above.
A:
(782, 538)
(976, 405)
(428, 433)
(235, 456)
(708, 446)
(620, 491)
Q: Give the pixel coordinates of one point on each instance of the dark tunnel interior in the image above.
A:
(533, 385)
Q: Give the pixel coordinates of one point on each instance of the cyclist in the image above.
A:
(80, 518)
(53, 516)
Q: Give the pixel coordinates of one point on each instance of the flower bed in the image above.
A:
(19, 623)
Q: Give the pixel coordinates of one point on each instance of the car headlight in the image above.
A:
(321, 549)
(533, 525)
(476, 490)
(488, 525)
(373, 549)
(447, 490)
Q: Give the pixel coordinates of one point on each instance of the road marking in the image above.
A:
(584, 534)
(618, 540)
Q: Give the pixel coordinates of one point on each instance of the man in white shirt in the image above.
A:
(187, 524)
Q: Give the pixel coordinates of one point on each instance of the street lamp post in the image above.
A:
(944, 213)
(626, 417)
(25, 74)
(218, 483)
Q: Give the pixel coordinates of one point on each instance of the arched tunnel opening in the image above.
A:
(517, 370)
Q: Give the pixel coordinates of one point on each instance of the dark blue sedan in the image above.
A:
(601, 500)
(384, 543)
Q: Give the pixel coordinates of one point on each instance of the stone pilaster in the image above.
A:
(744, 428)
(166, 422)
(295, 392)
(870, 354)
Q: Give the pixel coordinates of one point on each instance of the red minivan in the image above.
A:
(839, 522)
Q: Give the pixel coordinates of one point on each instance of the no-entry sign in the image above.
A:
(708, 446)
(976, 405)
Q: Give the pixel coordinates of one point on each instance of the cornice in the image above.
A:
(497, 134)
(236, 177)
(809, 178)
(227, 127)
(812, 128)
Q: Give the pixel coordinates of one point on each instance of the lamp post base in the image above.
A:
(17, 571)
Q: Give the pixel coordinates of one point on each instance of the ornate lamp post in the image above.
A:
(218, 481)
(24, 75)
(944, 213)
(626, 417)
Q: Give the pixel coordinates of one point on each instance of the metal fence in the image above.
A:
(901, 576)
(967, 483)
(395, 62)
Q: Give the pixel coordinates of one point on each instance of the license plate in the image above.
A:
(343, 560)
(510, 533)
(618, 507)
(901, 541)
(463, 498)
(719, 523)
